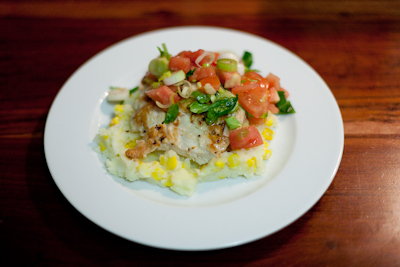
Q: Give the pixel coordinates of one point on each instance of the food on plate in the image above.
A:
(196, 117)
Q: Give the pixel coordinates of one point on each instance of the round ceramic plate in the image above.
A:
(307, 149)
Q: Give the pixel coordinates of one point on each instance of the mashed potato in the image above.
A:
(168, 169)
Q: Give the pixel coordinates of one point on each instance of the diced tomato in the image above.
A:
(201, 73)
(254, 77)
(256, 121)
(286, 92)
(163, 95)
(254, 101)
(179, 63)
(191, 55)
(213, 81)
(273, 96)
(228, 78)
(274, 81)
(245, 137)
(194, 55)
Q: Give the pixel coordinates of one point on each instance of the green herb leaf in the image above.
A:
(202, 98)
(190, 73)
(220, 108)
(284, 106)
(172, 113)
(197, 107)
(122, 102)
(247, 59)
(133, 90)
(232, 122)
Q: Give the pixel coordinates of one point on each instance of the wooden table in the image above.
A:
(353, 45)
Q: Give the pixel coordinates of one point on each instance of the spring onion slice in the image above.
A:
(202, 56)
(165, 75)
(227, 64)
(175, 77)
(187, 89)
(158, 66)
(232, 122)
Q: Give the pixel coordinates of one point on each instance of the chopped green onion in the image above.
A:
(164, 53)
(156, 84)
(165, 75)
(205, 65)
(284, 106)
(247, 59)
(122, 102)
(172, 113)
(226, 64)
(133, 90)
(232, 122)
(175, 77)
(158, 66)
(265, 115)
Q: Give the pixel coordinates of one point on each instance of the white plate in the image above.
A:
(306, 151)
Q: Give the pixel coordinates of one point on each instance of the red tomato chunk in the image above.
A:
(245, 137)
(163, 95)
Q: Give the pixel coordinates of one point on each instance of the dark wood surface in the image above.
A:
(353, 45)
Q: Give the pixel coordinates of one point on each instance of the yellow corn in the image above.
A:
(255, 162)
(250, 163)
(168, 183)
(267, 154)
(119, 108)
(102, 147)
(233, 160)
(158, 173)
(171, 163)
(268, 133)
(269, 121)
(114, 121)
(162, 160)
(106, 137)
(131, 144)
(219, 164)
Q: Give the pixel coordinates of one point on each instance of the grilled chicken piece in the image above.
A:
(189, 135)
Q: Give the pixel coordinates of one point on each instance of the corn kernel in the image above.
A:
(219, 164)
(119, 108)
(131, 144)
(162, 160)
(266, 144)
(268, 133)
(171, 163)
(255, 162)
(102, 147)
(250, 163)
(158, 173)
(168, 183)
(269, 121)
(106, 137)
(267, 154)
(221, 177)
(233, 160)
(114, 121)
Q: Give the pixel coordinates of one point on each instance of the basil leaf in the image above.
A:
(197, 107)
(247, 59)
(133, 90)
(284, 106)
(172, 113)
(221, 108)
(232, 122)
(202, 98)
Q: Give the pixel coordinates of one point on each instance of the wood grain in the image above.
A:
(353, 45)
